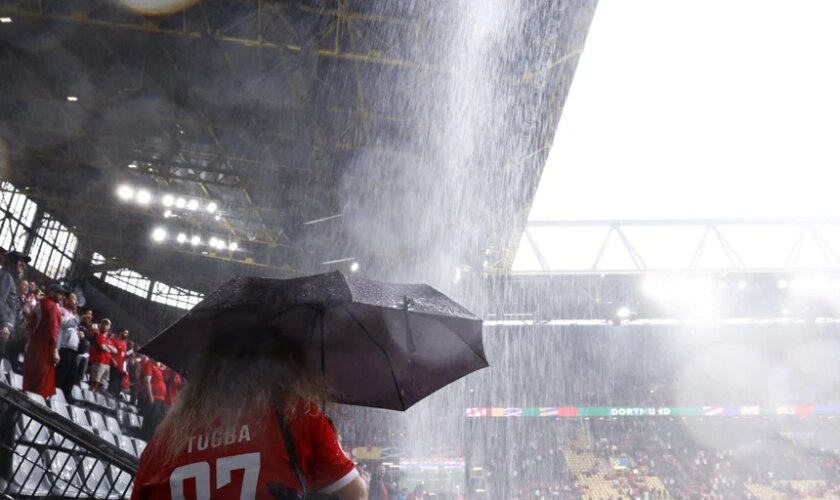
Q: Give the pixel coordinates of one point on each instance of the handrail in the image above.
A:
(85, 440)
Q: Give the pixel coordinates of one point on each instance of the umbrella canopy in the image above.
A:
(380, 345)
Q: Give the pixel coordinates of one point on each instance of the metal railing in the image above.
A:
(43, 454)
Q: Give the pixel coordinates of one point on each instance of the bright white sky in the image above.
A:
(700, 109)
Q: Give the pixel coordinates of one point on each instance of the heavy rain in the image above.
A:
(523, 249)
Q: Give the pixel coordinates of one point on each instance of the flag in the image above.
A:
(497, 412)
(513, 412)
(476, 412)
(749, 410)
(785, 410)
(549, 412)
(366, 453)
(568, 411)
(712, 410)
(805, 410)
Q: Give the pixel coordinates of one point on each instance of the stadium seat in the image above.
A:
(76, 392)
(126, 444)
(59, 396)
(16, 380)
(28, 473)
(32, 432)
(64, 474)
(60, 407)
(89, 397)
(96, 420)
(79, 416)
(122, 481)
(36, 398)
(133, 421)
(107, 436)
(95, 480)
(84, 385)
(112, 425)
(101, 400)
(5, 366)
(139, 445)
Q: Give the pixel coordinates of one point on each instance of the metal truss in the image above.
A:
(719, 245)
(340, 32)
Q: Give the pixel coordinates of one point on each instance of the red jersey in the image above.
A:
(247, 460)
(173, 386)
(150, 369)
(44, 327)
(119, 356)
(98, 356)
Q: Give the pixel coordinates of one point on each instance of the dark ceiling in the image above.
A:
(284, 113)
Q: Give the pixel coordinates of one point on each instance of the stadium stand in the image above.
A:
(49, 448)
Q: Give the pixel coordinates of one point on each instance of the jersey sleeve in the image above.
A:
(332, 470)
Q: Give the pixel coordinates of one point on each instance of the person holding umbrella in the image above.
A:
(247, 349)
(251, 405)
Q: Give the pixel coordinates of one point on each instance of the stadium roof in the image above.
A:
(695, 137)
(319, 131)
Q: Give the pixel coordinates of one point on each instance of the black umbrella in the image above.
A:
(381, 345)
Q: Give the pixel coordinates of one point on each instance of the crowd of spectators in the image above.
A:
(689, 459)
(58, 345)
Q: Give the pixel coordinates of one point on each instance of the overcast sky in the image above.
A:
(712, 109)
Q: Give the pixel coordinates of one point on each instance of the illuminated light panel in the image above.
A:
(144, 197)
(125, 192)
(159, 234)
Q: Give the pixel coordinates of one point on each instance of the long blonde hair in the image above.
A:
(253, 371)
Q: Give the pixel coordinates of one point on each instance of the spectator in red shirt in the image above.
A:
(100, 357)
(228, 419)
(42, 344)
(173, 386)
(154, 394)
(120, 343)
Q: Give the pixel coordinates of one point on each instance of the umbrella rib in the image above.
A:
(387, 358)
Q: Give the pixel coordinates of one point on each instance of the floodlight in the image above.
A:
(623, 312)
(159, 234)
(144, 197)
(5, 20)
(132, 165)
(182, 238)
(192, 205)
(782, 284)
(167, 214)
(72, 98)
(180, 203)
(211, 207)
(168, 200)
(354, 267)
(196, 240)
(742, 285)
(125, 192)
(234, 246)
